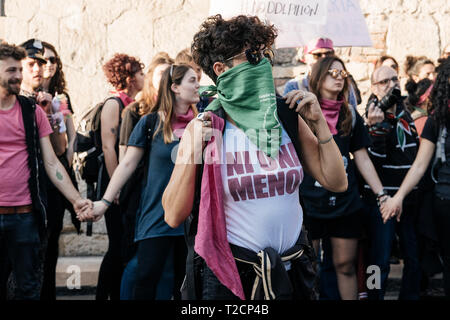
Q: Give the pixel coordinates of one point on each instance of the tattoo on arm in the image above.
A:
(59, 175)
(114, 131)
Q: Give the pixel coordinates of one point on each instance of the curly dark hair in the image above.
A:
(220, 39)
(58, 81)
(440, 95)
(415, 91)
(119, 68)
(11, 51)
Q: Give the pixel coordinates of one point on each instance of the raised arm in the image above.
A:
(178, 205)
(319, 153)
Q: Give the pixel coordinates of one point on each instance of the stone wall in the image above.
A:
(88, 32)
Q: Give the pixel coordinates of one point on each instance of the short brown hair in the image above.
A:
(11, 51)
(119, 68)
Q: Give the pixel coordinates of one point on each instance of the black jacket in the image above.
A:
(37, 180)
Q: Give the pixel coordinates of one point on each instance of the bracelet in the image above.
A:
(325, 141)
(106, 202)
(381, 193)
(383, 200)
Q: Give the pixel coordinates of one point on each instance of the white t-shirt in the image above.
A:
(261, 195)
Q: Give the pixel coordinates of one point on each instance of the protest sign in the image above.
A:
(299, 21)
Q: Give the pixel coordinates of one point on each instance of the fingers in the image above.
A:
(399, 214)
(292, 97)
(307, 100)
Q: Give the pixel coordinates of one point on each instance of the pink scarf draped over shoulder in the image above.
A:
(211, 241)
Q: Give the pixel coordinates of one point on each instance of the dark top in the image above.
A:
(442, 171)
(390, 160)
(323, 204)
(150, 216)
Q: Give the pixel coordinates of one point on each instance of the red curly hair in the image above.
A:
(119, 68)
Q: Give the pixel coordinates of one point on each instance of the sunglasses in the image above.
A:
(384, 82)
(322, 54)
(254, 56)
(52, 60)
(335, 73)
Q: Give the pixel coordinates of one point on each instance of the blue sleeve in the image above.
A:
(290, 85)
(139, 134)
(352, 97)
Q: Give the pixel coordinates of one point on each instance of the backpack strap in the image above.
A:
(150, 124)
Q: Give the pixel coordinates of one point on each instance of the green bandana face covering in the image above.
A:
(247, 94)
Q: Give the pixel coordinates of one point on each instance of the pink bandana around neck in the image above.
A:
(330, 110)
(180, 121)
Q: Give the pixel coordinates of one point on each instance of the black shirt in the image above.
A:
(392, 160)
(323, 204)
(441, 171)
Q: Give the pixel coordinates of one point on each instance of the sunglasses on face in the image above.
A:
(384, 82)
(322, 54)
(335, 73)
(52, 60)
(254, 57)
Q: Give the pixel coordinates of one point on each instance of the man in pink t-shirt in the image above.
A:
(25, 150)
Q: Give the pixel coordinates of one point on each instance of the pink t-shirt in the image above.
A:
(14, 171)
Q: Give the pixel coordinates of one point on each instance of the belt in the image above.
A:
(16, 210)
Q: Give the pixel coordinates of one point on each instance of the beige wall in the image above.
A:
(87, 32)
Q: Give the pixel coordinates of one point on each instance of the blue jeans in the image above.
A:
(165, 285)
(380, 244)
(153, 255)
(20, 236)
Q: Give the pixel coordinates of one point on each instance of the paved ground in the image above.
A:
(68, 277)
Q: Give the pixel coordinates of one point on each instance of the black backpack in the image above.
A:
(88, 145)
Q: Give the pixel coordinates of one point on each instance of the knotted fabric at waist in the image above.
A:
(272, 280)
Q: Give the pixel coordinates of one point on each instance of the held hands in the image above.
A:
(308, 107)
(97, 209)
(390, 208)
(82, 207)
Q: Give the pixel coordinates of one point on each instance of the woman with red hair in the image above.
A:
(126, 75)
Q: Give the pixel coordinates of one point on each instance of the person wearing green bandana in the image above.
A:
(267, 144)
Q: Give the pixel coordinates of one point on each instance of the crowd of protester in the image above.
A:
(231, 191)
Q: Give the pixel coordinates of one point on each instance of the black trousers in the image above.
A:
(111, 269)
(152, 255)
(442, 219)
(55, 216)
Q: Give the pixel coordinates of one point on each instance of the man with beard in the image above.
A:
(25, 152)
